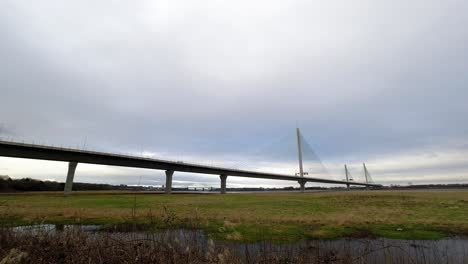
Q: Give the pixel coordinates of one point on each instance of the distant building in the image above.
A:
(4, 177)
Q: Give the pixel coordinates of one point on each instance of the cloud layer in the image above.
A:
(369, 81)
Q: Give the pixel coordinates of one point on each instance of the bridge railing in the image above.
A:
(37, 144)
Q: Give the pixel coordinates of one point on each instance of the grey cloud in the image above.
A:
(227, 82)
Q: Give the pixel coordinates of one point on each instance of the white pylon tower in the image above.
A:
(347, 176)
(366, 173)
(299, 154)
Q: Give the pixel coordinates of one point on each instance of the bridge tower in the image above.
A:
(299, 154)
(366, 175)
(347, 176)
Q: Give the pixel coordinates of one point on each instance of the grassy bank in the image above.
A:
(251, 217)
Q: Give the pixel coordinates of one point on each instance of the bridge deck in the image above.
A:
(41, 152)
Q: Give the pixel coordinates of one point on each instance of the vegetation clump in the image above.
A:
(74, 246)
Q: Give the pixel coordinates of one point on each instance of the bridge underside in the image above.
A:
(73, 156)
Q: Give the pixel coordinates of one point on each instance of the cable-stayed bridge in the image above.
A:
(75, 156)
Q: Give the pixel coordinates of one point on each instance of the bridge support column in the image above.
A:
(302, 183)
(70, 175)
(223, 183)
(347, 186)
(169, 174)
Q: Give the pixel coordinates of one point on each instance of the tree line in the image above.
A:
(30, 185)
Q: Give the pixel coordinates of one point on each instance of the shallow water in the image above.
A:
(380, 250)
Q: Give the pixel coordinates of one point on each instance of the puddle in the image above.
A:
(55, 228)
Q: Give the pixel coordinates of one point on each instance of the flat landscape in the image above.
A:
(254, 216)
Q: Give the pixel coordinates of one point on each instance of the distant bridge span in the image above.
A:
(75, 156)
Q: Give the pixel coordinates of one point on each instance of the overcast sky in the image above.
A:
(226, 83)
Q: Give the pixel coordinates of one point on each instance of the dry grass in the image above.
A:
(327, 213)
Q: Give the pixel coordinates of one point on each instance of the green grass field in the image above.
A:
(252, 217)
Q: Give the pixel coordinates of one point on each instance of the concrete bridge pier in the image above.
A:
(302, 183)
(347, 186)
(70, 175)
(169, 174)
(223, 183)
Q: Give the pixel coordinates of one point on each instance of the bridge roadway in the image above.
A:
(75, 156)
